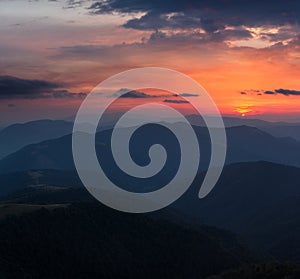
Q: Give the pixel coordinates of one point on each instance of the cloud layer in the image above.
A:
(17, 88)
(281, 91)
(217, 20)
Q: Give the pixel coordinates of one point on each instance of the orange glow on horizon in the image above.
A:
(243, 110)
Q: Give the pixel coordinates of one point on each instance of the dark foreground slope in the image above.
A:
(263, 271)
(260, 201)
(90, 241)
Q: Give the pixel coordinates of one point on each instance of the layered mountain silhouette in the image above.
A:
(17, 136)
(277, 129)
(244, 144)
(257, 196)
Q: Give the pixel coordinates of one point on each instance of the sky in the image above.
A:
(246, 54)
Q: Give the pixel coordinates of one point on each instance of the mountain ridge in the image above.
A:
(244, 144)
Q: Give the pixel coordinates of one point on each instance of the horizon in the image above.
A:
(71, 118)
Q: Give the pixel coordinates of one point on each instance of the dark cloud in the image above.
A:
(189, 95)
(206, 14)
(202, 21)
(199, 38)
(66, 94)
(155, 20)
(268, 92)
(238, 34)
(11, 105)
(136, 95)
(139, 94)
(287, 92)
(214, 32)
(176, 101)
(14, 87)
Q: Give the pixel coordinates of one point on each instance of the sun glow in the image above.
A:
(243, 110)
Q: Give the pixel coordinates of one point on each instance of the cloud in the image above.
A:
(268, 92)
(176, 101)
(189, 95)
(73, 3)
(196, 37)
(206, 14)
(66, 94)
(16, 87)
(11, 105)
(13, 87)
(134, 94)
(251, 92)
(287, 92)
(215, 21)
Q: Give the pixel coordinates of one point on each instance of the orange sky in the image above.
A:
(69, 46)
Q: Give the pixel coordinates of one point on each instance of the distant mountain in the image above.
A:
(244, 144)
(87, 240)
(283, 131)
(277, 129)
(239, 121)
(17, 136)
(251, 144)
(197, 120)
(259, 200)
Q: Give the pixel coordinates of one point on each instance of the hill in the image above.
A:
(89, 241)
(259, 201)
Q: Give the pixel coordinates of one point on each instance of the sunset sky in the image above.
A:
(246, 54)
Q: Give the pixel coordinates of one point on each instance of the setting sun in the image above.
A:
(243, 110)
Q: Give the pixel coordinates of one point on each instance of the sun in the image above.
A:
(243, 110)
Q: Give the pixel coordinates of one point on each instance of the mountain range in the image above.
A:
(244, 144)
(257, 196)
(16, 136)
